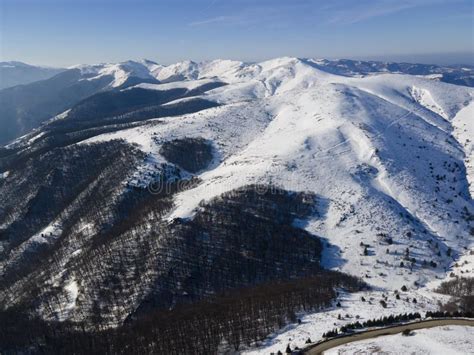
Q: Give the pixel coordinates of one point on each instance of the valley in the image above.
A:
(148, 188)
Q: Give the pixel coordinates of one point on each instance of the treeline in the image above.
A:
(191, 154)
(115, 103)
(458, 287)
(394, 319)
(240, 239)
(111, 103)
(78, 127)
(134, 262)
(71, 185)
(443, 314)
(462, 291)
(41, 188)
(379, 322)
(232, 321)
(157, 111)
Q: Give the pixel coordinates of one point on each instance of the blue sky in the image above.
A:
(67, 32)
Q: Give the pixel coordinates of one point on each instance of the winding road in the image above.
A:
(321, 347)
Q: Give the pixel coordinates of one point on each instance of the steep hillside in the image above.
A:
(458, 74)
(381, 148)
(225, 175)
(18, 73)
(25, 107)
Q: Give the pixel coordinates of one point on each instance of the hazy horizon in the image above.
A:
(68, 32)
(243, 196)
(449, 59)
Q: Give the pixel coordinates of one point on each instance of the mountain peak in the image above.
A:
(14, 73)
(380, 166)
(148, 62)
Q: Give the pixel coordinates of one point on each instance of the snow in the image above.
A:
(61, 116)
(188, 85)
(226, 70)
(186, 69)
(36, 137)
(444, 340)
(464, 266)
(313, 325)
(433, 76)
(120, 72)
(45, 236)
(424, 98)
(463, 124)
(76, 252)
(50, 231)
(388, 155)
(72, 292)
(15, 73)
(352, 141)
(461, 267)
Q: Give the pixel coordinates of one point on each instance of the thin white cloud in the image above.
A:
(367, 10)
(213, 20)
(337, 12)
(349, 18)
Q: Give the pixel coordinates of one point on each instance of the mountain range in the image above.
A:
(135, 187)
(29, 100)
(15, 73)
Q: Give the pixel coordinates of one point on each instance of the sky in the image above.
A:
(68, 32)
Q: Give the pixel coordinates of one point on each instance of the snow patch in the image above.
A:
(188, 85)
(424, 98)
(453, 340)
(72, 292)
(120, 72)
(384, 154)
(314, 325)
(44, 235)
(463, 124)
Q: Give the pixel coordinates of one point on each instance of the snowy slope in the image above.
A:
(17, 73)
(188, 70)
(182, 70)
(120, 72)
(388, 155)
(464, 132)
(435, 341)
(189, 85)
(352, 309)
(457, 74)
(380, 151)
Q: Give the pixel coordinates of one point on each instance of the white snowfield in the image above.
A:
(452, 340)
(352, 309)
(390, 157)
(120, 71)
(188, 85)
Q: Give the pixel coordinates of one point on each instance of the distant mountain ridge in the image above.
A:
(25, 107)
(144, 187)
(456, 74)
(18, 73)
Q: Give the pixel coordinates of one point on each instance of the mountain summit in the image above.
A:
(138, 188)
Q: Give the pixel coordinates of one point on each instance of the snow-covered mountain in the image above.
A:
(388, 158)
(121, 73)
(17, 73)
(389, 153)
(459, 74)
(25, 107)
